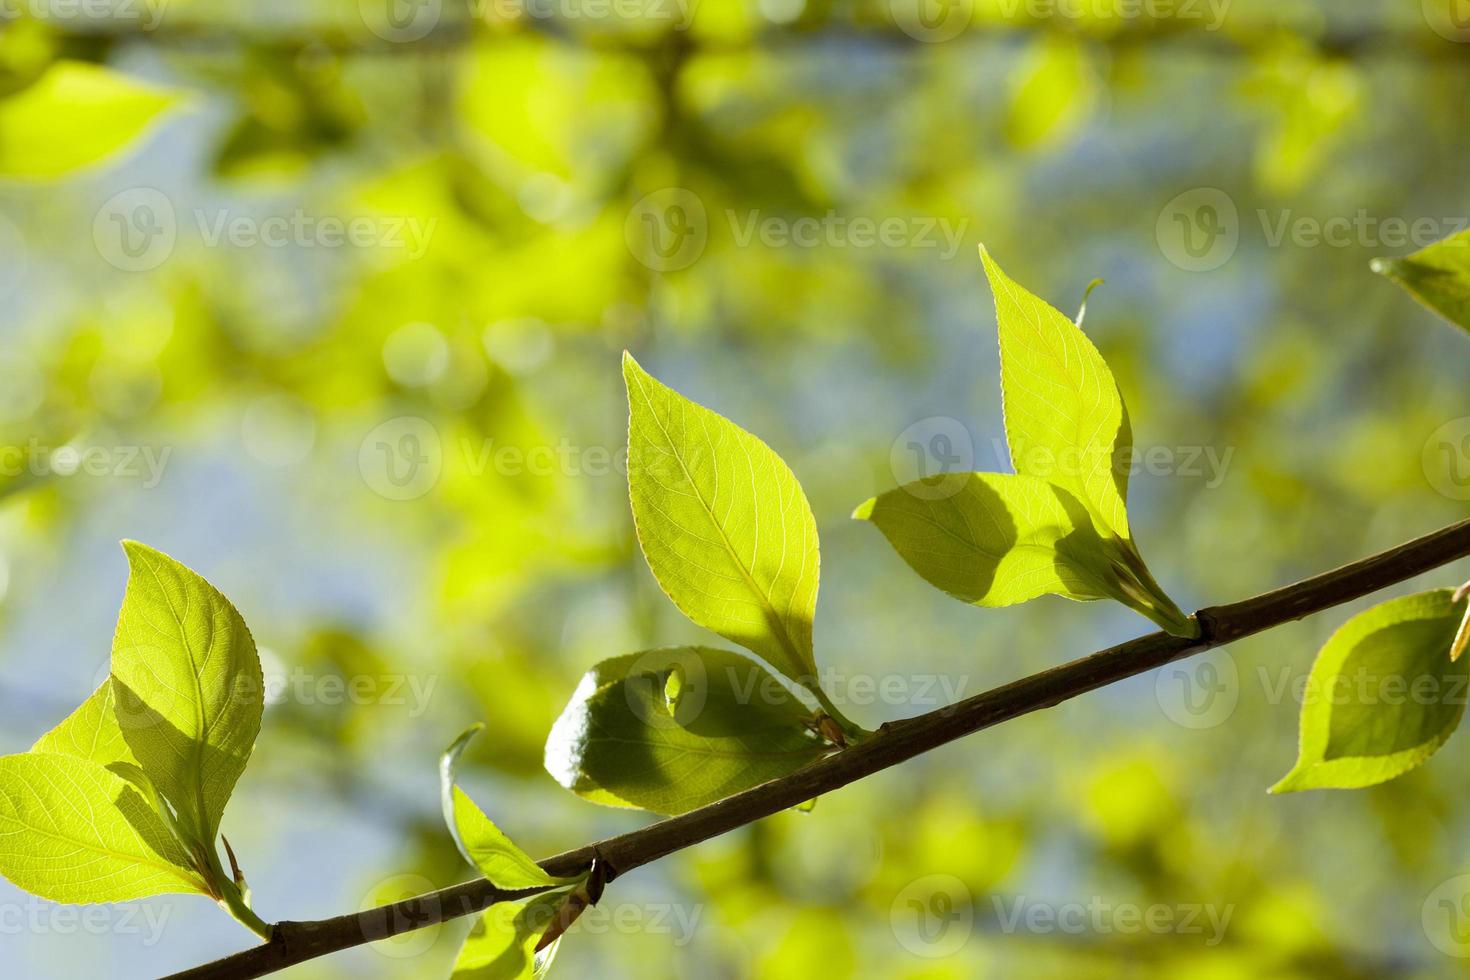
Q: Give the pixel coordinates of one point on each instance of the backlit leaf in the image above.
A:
(1065, 420)
(1437, 276)
(1383, 695)
(502, 943)
(188, 687)
(994, 539)
(90, 732)
(72, 831)
(482, 843)
(723, 523)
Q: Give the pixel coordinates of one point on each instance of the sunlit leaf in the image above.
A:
(502, 943)
(723, 523)
(1383, 695)
(671, 730)
(74, 115)
(1437, 276)
(72, 831)
(1065, 420)
(482, 843)
(994, 539)
(188, 687)
(90, 732)
(1066, 424)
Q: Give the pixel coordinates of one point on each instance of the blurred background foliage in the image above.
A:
(514, 146)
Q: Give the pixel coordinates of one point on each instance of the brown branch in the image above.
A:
(896, 742)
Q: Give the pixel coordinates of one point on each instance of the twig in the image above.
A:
(896, 742)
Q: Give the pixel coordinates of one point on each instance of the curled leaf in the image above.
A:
(623, 741)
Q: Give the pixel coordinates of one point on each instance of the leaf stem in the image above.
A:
(231, 896)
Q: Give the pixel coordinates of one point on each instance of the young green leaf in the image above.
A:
(72, 831)
(188, 687)
(1437, 276)
(502, 943)
(671, 730)
(1065, 420)
(996, 539)
(74, 115)
(90, 732)
(482, 843)
(1383, 695)
(1066, 424)
(724, 525)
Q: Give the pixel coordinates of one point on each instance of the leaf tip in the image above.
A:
(137, 551)
(1290, 783)
(864, 510)
(1384, 267)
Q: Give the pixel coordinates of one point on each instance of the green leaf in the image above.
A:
(724, 525)
(671, 730)
(1065, 420)
(502, 943)
(995, 539)
(1383, 695)
(1066, 423)
(72, 831)
(482, 843)
(188, 687)
(90, 732)
(1437, 276)
(74, 115)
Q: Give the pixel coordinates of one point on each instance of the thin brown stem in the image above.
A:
(896, 742)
